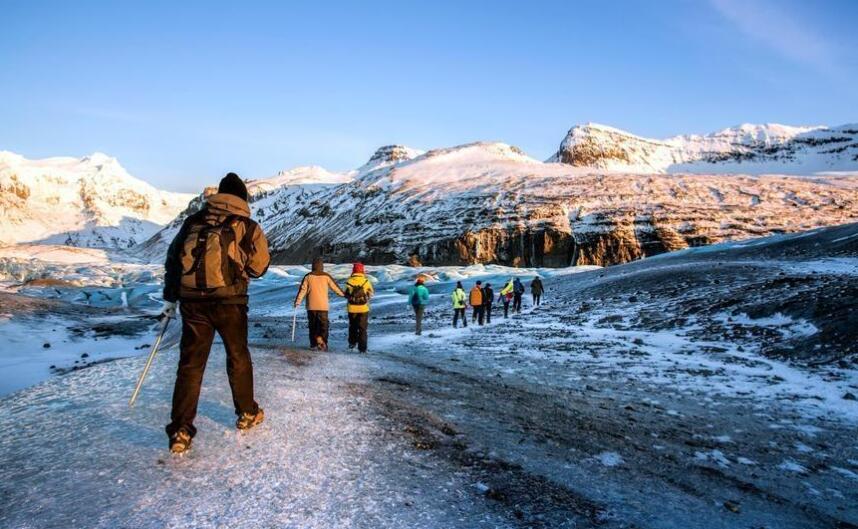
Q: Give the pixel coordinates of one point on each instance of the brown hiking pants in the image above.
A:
(200, 320)
(317, 324)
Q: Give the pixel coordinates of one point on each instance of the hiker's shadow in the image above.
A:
(219, 412)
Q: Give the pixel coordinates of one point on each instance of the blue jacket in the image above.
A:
(422, 295)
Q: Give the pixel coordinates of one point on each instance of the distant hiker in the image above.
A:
(505, 296)
(208, 267)
(517, 293)
(475, 298)
(315, 287)
(418, 297)
(358, 293)
(459, 298)
(536, 289)
(488, 298)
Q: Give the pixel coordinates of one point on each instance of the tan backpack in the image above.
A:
(213, 260)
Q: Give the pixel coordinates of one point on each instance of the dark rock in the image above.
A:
(731, 506)
(46, 345)
(850, 396)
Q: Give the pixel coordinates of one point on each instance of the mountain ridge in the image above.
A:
(485, 202)
(90, 201)
(747, 149)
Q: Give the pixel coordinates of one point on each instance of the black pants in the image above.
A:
(200, 320)
(506, 308)
(537, 298)
(456, 314)
(478, 315)
(418, 319)
(488, 310)
(358, 323)
(317, 321)
(516, 302)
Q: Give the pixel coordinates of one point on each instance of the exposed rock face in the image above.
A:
(391, 154)
(753, 149)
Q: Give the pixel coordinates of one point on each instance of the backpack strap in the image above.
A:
(246, 243)
(227, 237)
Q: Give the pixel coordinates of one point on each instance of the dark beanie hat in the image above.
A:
(233, 184)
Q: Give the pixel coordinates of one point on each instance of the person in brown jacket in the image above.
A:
(315, 287)
(208, 268)
(476, 301)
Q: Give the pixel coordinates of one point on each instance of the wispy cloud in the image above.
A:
(772, 25)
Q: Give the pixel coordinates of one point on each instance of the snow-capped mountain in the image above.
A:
(490, 202)
(747, 149)
(284, 194)
(90, 201)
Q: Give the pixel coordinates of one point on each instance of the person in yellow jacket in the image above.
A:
(506, 294)
(476, 301)
(459, 298)
(358, 293)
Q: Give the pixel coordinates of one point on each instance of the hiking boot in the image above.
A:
(248, 420)
(180, 442)
(352, 346)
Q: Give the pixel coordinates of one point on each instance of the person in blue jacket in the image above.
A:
(517, 292)
(418, 296)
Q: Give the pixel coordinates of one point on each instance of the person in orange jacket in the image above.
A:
(476, 301)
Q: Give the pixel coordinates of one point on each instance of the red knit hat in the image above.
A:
(357, 268)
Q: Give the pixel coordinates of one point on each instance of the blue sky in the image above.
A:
(183, 93)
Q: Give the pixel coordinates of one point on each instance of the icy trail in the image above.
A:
(74, 455)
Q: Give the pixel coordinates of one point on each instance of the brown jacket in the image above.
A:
(315, 287)
(252, 257)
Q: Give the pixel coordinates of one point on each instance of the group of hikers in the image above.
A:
(482, 298)
(208, 267)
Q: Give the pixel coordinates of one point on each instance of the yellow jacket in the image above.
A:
(355, 281)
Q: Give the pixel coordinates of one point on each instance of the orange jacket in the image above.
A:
(476, 298)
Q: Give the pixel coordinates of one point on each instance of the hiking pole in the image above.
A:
(294, 322)
(149, 361)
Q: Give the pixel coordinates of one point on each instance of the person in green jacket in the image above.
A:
(459, 304)
(418, 296)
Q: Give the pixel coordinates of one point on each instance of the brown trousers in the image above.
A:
(200, 320)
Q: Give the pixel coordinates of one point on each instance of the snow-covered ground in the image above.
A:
(714, 387)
